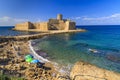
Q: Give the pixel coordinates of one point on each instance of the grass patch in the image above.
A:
(5, 77)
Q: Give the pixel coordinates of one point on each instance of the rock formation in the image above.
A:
(12, 63)
(86, 71)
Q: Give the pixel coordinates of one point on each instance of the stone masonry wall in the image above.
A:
(44, 26)
(52, 24)
(22, 26)
(36, 25)
(70, 25)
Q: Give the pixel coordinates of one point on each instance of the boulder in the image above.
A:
(114, 57)
(86, 71)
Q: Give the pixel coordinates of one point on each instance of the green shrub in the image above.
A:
(4, 77)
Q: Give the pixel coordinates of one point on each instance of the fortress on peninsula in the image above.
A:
(53, 24)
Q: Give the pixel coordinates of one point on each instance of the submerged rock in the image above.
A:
(86, 71)
(41, 53)
(114, 57)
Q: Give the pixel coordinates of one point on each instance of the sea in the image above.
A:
(7, 31)
(99, 45)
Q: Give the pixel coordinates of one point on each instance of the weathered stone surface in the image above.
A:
(52, 24)
(86, 71)
(17, 67)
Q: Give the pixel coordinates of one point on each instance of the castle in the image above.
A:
(52, 24)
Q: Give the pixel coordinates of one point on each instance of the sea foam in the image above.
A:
(36, 55)
(59, 68)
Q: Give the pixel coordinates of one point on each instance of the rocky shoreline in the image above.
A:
(12, 63)
(86, 71)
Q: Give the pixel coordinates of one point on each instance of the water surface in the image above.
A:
(7, 31)
(66, 49)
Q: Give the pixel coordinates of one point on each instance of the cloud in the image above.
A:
(4, 19)
(111, 19)
(76, 18)
(114, 16)
(8, 21)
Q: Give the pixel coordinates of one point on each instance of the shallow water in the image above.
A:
(66, 49)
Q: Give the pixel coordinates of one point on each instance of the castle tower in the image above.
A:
(59, 16)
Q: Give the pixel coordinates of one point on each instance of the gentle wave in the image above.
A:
(36, 55)
(62, 69)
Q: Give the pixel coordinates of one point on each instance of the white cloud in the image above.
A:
(8, 21)
(112, 19)
(76, 18)
(4, 19)
(114, 16)
(81, 20)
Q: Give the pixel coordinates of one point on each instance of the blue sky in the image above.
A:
(84, 12)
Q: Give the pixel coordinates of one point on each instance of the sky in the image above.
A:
(83, 12)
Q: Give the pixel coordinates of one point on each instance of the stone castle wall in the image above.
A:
(36, 25)
(44, 26)
(23, 26)
(70, 25)
(62, 25)
(52, 24)
(58, 24)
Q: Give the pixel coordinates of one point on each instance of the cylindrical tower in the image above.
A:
(59, 16)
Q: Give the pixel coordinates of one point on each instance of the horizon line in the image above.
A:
(76, 25)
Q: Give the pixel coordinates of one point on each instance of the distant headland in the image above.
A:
(53, 24)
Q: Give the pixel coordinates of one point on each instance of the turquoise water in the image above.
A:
(66, 49)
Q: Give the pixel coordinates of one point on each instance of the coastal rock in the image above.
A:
(86, 71)
(13, 64)
(41, 53)
(114, 58)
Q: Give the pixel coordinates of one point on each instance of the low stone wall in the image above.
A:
(36, 36)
